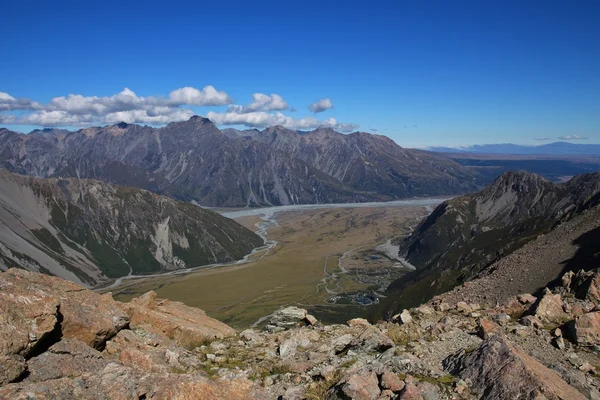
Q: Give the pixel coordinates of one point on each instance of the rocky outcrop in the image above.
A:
(186, 326)
(28, 319)
(550, 308)
(585, 330)
(288, 317)
(52, 308)
(168, 350)
(62, 341)
(90, 231)
(585, 285)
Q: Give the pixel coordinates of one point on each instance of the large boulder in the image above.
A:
(500, 370)
(45, 304)
(411, 391)
(187, 326)
(550, 308)
(360, 385)
(371, 339)
(585, 330)
(286, 318)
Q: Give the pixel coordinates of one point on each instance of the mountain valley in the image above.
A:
(327, 200)
(324, 259)
(487, 295)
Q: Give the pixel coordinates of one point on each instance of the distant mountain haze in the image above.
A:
(556, 148)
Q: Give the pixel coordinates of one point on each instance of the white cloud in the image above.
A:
(572, 137)
(49, 118)
(263, 102)
(127, 106)
(9, 103)
(127, 100)
(261, 119)
(208, 96)
(5, 97)
(146, 117)
(339, 126)
(320, 106)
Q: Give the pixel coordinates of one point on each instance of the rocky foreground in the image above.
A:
(61, 341)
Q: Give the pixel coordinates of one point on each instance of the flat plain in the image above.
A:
(320, 254)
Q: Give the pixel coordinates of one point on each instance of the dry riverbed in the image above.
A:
(324, 260)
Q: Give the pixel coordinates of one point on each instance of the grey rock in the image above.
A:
(405, 317)
(342, 342)
(288, 317)
(66, 359)
(11, 368)
(361, 385)
(250, 335)
(503, 371)
(372, 339)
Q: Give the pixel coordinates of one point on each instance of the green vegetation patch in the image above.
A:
(141, 259)
(48, 239)
(195, 255)
(108, 260)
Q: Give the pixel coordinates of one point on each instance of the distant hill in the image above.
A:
(556, 148)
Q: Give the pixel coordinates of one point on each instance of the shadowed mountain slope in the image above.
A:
(88, 231)
(463, 236)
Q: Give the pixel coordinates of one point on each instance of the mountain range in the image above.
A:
(88, 231)
(195, 161)
(556, 148)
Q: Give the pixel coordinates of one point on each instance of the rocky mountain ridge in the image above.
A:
(61, 341)
(465, 235)
(89, 231)
(194, 160)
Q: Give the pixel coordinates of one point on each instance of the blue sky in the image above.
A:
(422, 72)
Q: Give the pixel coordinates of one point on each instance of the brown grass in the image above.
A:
(239, 295)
